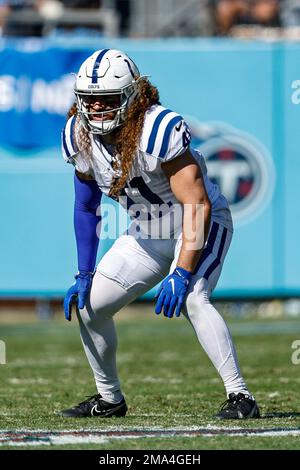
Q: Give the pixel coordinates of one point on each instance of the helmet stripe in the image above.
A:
(129, 66)
(166, 137)
(97, 65)
(153, 135)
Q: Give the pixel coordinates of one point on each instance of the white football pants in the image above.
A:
(128, 270)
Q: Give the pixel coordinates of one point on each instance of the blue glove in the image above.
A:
(172, 292)
(77, 293)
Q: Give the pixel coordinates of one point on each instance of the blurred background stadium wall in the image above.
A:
(239, 96)
(232, 69)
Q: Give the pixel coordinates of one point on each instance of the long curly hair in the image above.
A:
(127, 137)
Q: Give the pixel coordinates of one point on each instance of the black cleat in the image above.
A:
(95, 406)
(239, 406)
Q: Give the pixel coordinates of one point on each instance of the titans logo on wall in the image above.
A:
(239, 164)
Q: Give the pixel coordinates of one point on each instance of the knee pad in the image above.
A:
(198, 296)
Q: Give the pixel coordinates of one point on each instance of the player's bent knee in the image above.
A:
(197, 298)
(107, 297)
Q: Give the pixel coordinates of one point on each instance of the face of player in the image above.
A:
(100, 104)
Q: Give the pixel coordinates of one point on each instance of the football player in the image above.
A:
(125, 144)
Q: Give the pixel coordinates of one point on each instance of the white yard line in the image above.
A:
(62, 437)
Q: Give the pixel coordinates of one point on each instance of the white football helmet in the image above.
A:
(105, 73)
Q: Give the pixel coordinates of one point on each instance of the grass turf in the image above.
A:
(167, 379)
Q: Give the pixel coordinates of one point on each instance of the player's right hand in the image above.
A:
(77, 294)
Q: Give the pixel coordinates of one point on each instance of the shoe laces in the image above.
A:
(233, 400)
(89, 399)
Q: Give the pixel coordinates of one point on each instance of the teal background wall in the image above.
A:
(237, 95)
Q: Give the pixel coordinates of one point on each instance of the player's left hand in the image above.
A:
(78, 292)
(172, 292)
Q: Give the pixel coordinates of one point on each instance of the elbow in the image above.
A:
(198, 206)
(205, 203)
(87, 207)
(207, 206)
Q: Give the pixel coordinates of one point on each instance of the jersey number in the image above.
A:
(147, 194)
(186, 137)
(144, 190)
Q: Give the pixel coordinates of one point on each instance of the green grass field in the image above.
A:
(167, 379)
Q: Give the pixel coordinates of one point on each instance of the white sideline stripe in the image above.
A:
(64, 437)
(58, 440)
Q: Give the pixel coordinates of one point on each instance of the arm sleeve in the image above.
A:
(87, 200)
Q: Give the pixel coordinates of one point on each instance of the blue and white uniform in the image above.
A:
(165, 136)
(135, 264)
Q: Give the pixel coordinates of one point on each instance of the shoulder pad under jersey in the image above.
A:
(69, 145)
(165, 134)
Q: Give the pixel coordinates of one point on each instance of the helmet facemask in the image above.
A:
(107, 73)
(105, 126)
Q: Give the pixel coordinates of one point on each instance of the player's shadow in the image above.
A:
(287, 414)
